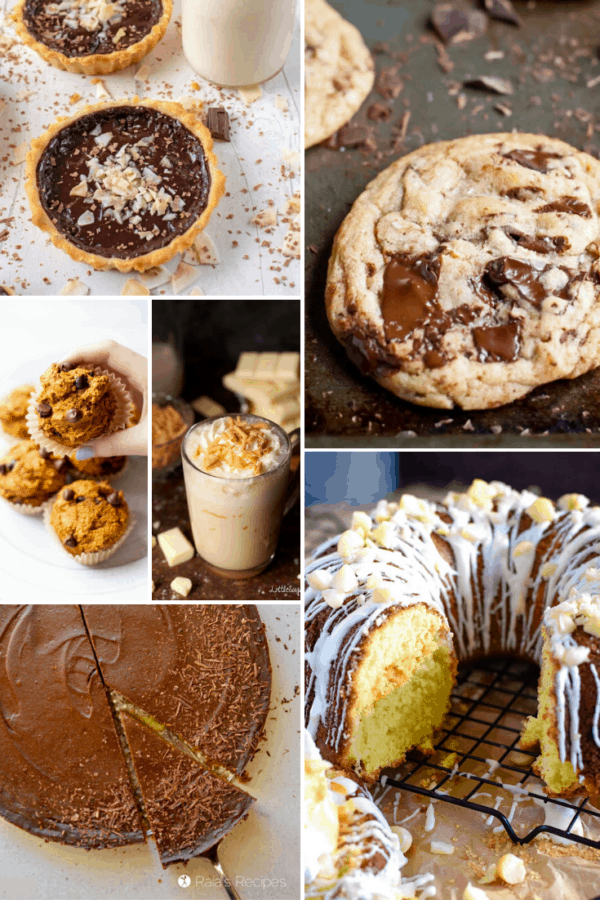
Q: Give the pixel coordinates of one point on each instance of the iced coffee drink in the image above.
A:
(237, 472)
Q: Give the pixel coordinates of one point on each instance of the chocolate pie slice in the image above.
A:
(124, 185)
(92, 37)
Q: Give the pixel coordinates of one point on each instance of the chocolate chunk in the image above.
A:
(218, 123)
(61, 464)
(114, 499)
(409, 288)
(538, 160)
(81, 382)
(498, 342)
(379, 112)
(45, 454)
(435, 359)
(502, 10)
(3, 469)
(456, 25)
(73, 415)
(521, 275)
(570, 205)
(350, 135)
(389, 85)
(539, 243)
(70, 542)
(68, 495)
(490, 83)
(66, 367)
(44, 410)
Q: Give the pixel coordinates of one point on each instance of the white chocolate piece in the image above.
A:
(208, 407)
(511, 869)
(175, 546)
(181, 585)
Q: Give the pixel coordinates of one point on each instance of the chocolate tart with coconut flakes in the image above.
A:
(92, 37)
(124, 185)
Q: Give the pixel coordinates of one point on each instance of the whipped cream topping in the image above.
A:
(236, 447)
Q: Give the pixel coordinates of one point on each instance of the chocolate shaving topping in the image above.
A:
(218, 123)
(73, 415)
(44, 410)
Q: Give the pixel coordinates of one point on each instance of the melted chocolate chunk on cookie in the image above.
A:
(124, 181)
(523, 276)
(538, 160)
(539, 243)
(409, 290)
(570, 205)
(497, 343)
(85, 27)
(367, 353)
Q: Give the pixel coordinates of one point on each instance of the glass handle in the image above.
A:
(293, 489)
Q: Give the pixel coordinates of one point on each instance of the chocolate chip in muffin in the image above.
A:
(61, 464)
(70, 542)
(44, 410)
(114, 499)
(45, 454)
(68, 495)
(80, 500)
(81, 382)
(74, 415)
(66, 367)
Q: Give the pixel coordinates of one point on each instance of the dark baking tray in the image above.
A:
(278, 582)
(549, 59)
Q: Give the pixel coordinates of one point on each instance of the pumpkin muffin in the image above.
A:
(74, 405)
(102, 467)
(13, 410)
(89, 517)
(29, 476)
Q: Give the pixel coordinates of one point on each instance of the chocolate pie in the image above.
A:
(92, 37)
(124, 185)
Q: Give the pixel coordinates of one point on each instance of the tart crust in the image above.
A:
(96, 63)
(146, 261)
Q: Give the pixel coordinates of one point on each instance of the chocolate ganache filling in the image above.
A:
(88, 27)
(124, 181)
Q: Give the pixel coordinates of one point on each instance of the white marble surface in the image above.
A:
(263, 850)
(33, 94)
(32, 568)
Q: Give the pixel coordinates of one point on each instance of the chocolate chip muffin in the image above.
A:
(74, 405)
(89, 516)
(13, 410)
(30, 476)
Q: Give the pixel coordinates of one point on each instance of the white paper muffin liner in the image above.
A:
(26, 510)
(120, 419)
(86, 559)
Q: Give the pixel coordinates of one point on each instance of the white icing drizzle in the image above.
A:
(500, 583)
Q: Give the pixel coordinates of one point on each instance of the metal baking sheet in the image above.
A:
(553, 62)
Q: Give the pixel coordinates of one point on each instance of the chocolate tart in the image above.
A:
(211, 674)
(188, 809)
(92, 37)
(124, 185)
(62, 772)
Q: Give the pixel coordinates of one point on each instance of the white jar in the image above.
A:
(237, 42)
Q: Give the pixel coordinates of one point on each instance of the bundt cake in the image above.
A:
(349, 848)
(393, 602)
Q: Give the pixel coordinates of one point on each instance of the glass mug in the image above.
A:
(236, 521)
(237, 42)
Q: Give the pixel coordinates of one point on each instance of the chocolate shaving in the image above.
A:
(502, 10)
(455, 25)
(490, 83)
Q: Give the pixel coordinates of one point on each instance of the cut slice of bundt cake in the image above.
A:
(567, 726)
(389, 599)
(349, 848)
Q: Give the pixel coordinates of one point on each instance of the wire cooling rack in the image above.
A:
(491, 699)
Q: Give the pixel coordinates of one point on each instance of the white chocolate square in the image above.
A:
(181, 585)
(175, 546)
